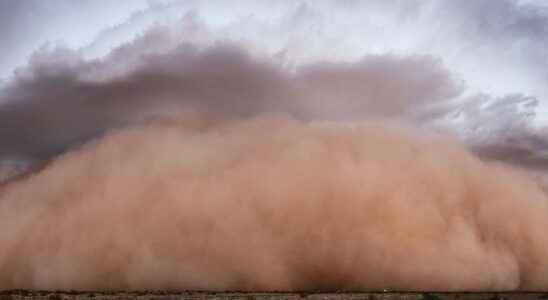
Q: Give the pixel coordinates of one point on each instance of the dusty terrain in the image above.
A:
(45, 295)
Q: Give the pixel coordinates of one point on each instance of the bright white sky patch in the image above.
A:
(481, 41)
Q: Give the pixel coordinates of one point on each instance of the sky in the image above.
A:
(474, 38)
(478, 68)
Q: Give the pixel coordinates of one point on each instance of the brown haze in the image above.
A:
(272, 203)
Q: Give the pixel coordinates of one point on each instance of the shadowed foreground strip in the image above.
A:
(45, 295)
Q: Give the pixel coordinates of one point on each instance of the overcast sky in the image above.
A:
(496, 46)
(479, 67)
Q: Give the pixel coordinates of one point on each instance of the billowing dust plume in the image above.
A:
(273, 203)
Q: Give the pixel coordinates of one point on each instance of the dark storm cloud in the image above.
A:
(500, 129)
(61, 100)
(528, 150)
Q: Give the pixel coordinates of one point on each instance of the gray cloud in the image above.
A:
(285, 57)
(496, 46)
(60, 99)
(501, 129)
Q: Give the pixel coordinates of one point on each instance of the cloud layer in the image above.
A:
(292, 58)
(62, 100)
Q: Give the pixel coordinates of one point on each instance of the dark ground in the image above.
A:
(20, 295)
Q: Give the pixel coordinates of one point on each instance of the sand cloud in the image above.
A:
(273, 204)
